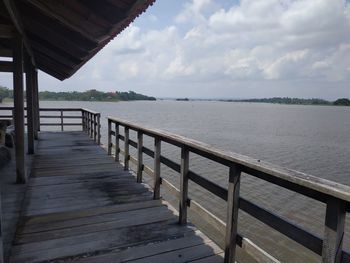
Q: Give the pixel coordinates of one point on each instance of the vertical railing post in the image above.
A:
(92, 125)
(95, 128)
(82, 120)
(89, 123)
(61, 120)
(139, 156)
(126, 148)
(156, 187)
(98, 129)
(117, 149)
(109, 137)
(232, 213)
(333, 231)
(184, 185)
(1, 235)
(30, 107)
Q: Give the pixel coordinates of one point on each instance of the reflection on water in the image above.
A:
(311, 139)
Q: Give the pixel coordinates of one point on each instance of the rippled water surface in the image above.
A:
(311, 139)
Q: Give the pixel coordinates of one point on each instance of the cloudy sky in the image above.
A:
(225, 49)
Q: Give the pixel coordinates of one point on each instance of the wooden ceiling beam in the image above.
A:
(84, 25)
(35, 20)
(6, 66)
(7, 31)
(16, 19)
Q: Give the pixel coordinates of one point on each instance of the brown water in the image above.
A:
(311, 139)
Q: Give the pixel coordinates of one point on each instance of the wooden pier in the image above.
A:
(82, 206)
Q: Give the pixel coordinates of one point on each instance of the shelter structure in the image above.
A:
(57, 37)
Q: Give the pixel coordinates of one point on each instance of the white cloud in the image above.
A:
(253, 41)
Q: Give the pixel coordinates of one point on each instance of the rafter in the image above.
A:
(16, 19)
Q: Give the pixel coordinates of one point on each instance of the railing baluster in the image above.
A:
(333, 231)
(98, 129)
(232, 214)
(95, 128)
(184, 185)
(61, 120)
(139, 156)
(156, 188)
(91, 125)
(117, 149)
(126, 148)
(109, 138)
(82, 120)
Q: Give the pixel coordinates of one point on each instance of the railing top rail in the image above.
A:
(320, 185)
(91, 111)
(60, 109)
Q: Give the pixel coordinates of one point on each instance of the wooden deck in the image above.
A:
(81, 206)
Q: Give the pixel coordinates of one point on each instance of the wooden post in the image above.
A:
(30, 108)
(117, 149)
(36, 97)
(333, 231)
(19, 110)
(88, 123)
(139, 156)
(126, 148)
(61, 120)
(185, 160)
(156, 188)
(98, 129)
(1, 235)
(35, 103)
(91, 125)
(109, 137)
(232, 213)
(83, 119)
(95, 128)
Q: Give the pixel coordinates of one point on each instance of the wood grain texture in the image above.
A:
(87, 208)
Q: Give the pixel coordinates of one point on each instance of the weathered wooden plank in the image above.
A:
(139, 156)
(334, 231)
(149, 249)
(185, 159)
(232, 214)
(156, 183)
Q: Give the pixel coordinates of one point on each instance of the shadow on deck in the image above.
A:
(81, 206)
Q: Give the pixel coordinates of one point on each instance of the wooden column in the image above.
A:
(334, 231)
(30, 107)
(1, 235)
(156, 187)
(36, 104)
(139, 156)
(19, 110)
(126, 148)
(62, 120)
(184, 185)
(232, 213)
(36, 116)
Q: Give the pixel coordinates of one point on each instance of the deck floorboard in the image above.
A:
(79, 205)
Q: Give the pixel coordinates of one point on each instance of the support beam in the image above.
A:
(19, 109)
(6, 66)
(6, 53)
(30, 107)
(16, 19)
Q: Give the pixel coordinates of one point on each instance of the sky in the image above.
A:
(224, 49)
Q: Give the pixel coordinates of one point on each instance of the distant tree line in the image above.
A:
(297, 101)
(89, 95)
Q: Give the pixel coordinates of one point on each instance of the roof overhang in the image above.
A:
(63, 35)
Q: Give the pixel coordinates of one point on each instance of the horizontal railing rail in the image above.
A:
(336, 196)
(87, 119)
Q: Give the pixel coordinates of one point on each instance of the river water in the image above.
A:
(311, 139)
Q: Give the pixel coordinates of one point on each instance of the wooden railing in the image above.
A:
(335, 196)
(87, 119)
